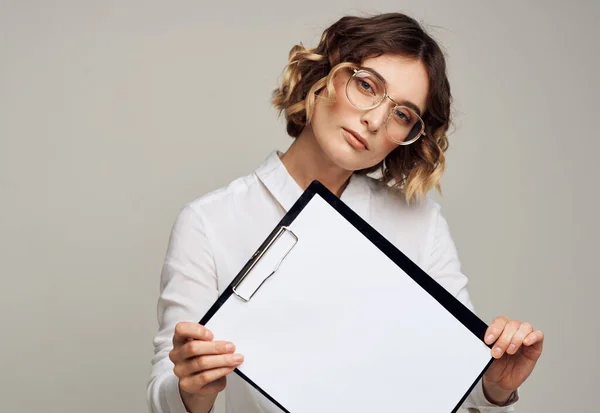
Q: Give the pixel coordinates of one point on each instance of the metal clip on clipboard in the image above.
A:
(256, 258)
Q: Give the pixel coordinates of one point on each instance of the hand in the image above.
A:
(200, 363)
(516, 351)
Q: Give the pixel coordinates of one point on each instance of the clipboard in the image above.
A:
(332, 317)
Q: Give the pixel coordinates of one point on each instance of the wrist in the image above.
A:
(494, 393)
(197, 403)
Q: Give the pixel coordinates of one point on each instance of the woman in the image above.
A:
(373, 96)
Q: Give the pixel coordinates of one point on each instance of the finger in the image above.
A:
(193, 384)
(522, 332)
(198, 348)
(188, 330)
(533, 345)
(534, 337)
(505, 338)
(495, 329)
(206, 363)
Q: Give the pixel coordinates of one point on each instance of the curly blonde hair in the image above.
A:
(414, 169)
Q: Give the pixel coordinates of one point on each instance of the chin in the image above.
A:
(347, 158)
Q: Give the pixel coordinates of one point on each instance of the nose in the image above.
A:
(374, 118)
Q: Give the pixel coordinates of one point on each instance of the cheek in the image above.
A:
(384, 145)
(388, 146)
(342, 106)
(330, 114)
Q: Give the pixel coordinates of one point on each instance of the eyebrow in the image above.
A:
(406, 103)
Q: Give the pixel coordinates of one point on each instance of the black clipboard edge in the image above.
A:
(462, 400)
(264, 393)
(451, 303)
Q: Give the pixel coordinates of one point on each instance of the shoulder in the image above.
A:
(195, 214)
(411, 227)
(224, 196)
(392, 201)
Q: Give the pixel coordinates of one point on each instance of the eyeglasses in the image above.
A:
(366, 90)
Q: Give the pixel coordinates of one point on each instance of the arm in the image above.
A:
(444, 266)
(188, 288)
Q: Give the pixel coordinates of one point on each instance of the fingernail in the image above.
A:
(497, 351)
(208, 334)
(511, 348)
(490, 338)
(238, 357)
(229, 347)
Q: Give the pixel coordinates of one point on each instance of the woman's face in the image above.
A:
(334, 124)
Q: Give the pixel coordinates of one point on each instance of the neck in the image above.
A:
(305, 161)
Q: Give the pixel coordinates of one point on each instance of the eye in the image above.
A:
(365, 87)
(403, 115)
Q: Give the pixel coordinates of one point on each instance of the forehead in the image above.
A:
(406, 78)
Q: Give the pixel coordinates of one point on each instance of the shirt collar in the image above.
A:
(274, 175)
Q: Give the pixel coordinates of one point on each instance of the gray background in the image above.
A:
(113, 114)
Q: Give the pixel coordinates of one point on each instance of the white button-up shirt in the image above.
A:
(214, 236)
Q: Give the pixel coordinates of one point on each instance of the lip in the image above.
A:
(356, 140)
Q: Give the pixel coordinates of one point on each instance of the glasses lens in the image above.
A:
(364, 90)
(404, 125)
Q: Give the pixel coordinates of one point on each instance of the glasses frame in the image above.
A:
(356, 72)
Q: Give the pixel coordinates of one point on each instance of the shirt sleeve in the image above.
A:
(188, 287)
(444, 266)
